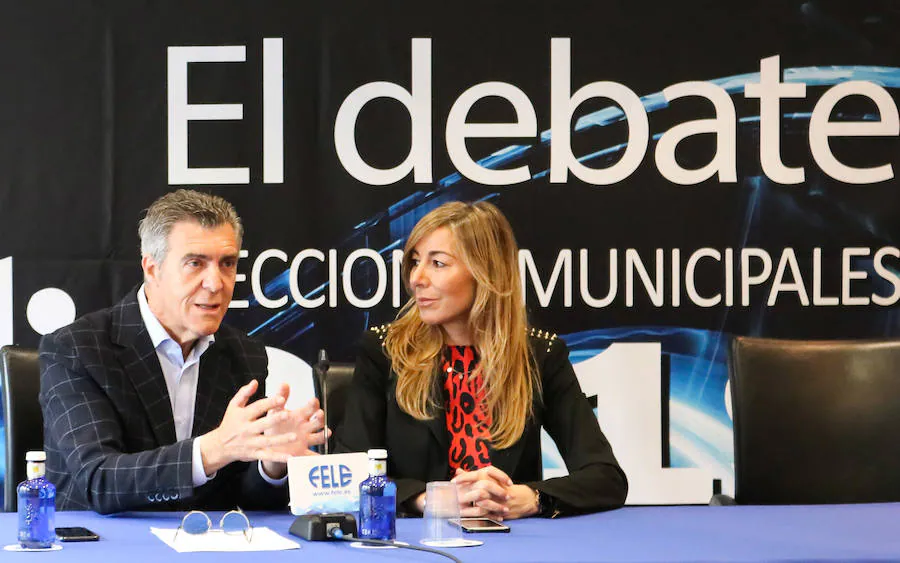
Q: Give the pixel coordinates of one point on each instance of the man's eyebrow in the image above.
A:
(195, 256)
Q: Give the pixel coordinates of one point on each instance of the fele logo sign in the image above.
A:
(330, 476)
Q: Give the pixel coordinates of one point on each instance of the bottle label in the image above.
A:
(377, 467)
(34, 469)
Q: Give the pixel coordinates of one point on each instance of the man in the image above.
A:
(153, 403)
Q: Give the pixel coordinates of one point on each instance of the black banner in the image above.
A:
(675, 174)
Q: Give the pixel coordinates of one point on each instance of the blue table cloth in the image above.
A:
(868, 532)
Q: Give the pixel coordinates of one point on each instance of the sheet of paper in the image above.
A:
(262, 539)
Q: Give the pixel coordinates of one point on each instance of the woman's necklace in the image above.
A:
(452, 370)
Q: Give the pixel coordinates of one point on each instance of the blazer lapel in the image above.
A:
(141, 365)
(438, 424)
(438, 428)
(215, 388)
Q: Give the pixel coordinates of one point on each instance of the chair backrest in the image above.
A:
(815, 421)
(20, 381)
(337, 386)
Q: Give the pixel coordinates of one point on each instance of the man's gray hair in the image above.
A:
(207, 210)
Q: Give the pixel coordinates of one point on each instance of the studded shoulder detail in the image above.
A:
(544, 335)
(381, 330)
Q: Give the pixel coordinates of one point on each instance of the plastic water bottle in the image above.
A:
(377, 501)
(37, 505)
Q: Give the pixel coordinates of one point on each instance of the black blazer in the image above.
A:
(109, 432)
(418, 450)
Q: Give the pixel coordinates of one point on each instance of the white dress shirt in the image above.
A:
(181, 375)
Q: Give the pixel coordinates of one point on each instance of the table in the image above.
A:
(865, 532)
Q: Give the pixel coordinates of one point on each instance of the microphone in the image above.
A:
(321, 371)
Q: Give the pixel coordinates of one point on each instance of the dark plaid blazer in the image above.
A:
(109, 433)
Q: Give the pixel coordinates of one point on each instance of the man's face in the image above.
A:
(190, 291)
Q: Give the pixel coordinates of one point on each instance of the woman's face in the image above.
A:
(443, 287)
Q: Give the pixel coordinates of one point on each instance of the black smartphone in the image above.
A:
(76, 534)
(473, 525)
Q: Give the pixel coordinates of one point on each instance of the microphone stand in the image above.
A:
(323, 527)
(321, 371)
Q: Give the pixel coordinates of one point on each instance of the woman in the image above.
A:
(459, 387)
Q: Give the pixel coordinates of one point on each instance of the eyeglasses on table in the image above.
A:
(234, 522)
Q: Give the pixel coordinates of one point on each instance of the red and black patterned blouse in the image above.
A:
(468, 421)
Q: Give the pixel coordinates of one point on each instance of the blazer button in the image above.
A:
(174, 496)
(150, 498)
(165, 497)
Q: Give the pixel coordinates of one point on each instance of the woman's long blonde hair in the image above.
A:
(486, 246)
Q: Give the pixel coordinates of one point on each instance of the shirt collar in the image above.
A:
(158, 334)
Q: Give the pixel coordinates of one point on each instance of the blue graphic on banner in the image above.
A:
(699, 424)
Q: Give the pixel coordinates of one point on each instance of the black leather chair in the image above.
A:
(815, 421)
(334, 399)
(20, 381)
